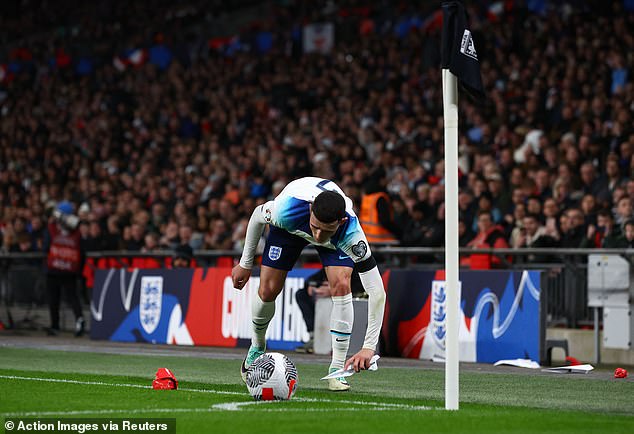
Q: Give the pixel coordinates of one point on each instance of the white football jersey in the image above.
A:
(290, 211)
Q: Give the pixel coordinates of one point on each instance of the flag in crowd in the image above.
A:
(318, 38)
(132, 57)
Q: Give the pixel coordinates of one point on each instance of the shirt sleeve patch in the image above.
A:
(360, 249)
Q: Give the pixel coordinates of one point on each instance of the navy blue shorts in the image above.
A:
(283, 249)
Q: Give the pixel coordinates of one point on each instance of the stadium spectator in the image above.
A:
(591, 184)
(605, 234)
(96, 240)
(182, 257)
(629, 235)
(489, 235)
(150, 242)
(24, 244)
(133, 237)
(573, 230)
(500, 197)
(415, 232)
(623, 211)
(465, 234)
(613, 176)
(219, 236)
(161, 145)
(534, 235)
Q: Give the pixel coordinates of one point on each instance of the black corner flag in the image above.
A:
(457, 52)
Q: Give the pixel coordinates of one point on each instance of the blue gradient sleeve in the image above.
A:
(353, 242)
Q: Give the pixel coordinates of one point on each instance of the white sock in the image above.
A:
(341, 321)
(261, 314)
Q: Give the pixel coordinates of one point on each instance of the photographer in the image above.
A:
(64, 264)
(316, 286)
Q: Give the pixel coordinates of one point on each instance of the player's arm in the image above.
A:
(241, 272)
(373, 286)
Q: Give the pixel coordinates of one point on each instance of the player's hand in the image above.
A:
(240, 276)
(361, 360)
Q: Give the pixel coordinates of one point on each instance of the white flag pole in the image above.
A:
(450, 114)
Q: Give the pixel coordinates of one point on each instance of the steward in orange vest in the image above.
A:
(376, 214)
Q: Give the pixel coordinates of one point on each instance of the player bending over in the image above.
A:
(315, 211)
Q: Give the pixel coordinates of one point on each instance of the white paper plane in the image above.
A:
(350, 371)
(520, 363)
(573, 369)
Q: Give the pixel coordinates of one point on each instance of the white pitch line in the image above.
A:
(102, 383)
(369, 404)
(102, 411)
(237, 406)
(61, 380)
(213, 409)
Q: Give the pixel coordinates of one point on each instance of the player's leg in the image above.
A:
(342, 316)
(280, 254)
(263, 306)
(262, 311)
(339, 271)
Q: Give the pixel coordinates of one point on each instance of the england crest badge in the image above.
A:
(275, 253)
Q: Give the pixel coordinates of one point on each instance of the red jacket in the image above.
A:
(492, 238)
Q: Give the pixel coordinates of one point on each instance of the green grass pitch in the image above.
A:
(211, 397)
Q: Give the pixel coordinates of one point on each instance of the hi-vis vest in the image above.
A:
(369, 218)
(65, 253)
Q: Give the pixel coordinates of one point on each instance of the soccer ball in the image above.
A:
(272, 376)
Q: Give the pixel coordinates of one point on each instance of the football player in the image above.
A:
(313, 211)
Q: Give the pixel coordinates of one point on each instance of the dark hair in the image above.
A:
(605, 213)
(183, 251)
(532, 216)
(419, 207)
(485, 212)
(329, 207)
(487, 195)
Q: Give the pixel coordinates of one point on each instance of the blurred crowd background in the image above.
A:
(165, 123)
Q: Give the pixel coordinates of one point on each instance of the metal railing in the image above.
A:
(564, 281)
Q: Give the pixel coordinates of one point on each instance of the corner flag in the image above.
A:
(457, 52)
(459, 62)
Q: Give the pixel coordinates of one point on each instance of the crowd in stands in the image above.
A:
(154, 155)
